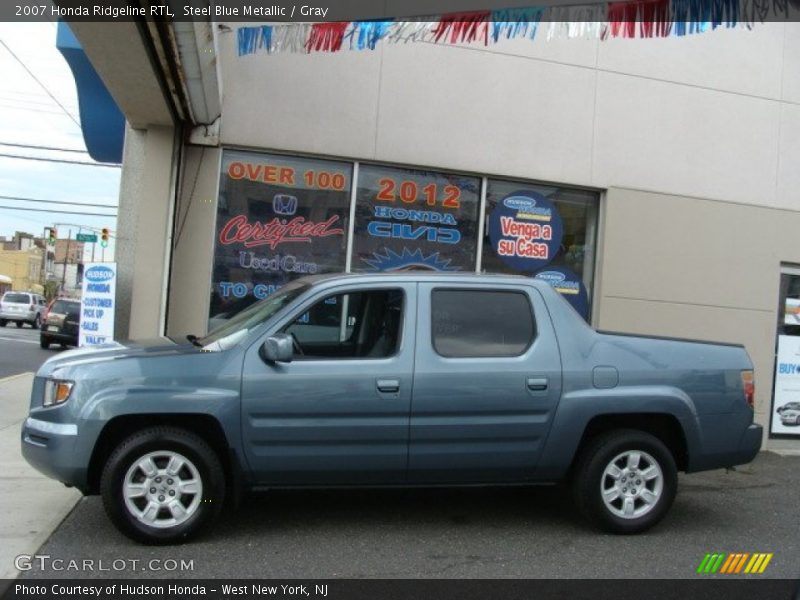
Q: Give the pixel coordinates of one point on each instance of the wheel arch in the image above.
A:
(664, 426)
(206, 426)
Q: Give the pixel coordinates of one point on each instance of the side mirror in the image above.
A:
(278, 348)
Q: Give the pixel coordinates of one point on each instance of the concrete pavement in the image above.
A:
(31, 505)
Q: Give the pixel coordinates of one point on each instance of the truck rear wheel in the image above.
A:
(625, 481)
(163, 485)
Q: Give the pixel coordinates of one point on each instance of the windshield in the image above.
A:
(231, 332)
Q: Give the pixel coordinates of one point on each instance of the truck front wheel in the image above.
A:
(163, 485)
(625, 481)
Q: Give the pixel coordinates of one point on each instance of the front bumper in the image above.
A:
(18, 316)
(51, 449)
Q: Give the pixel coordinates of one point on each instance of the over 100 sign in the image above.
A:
(98, 302)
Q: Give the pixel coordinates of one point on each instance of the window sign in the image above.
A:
(278, 218)
(408, 219)
(786, 400)
(569, 285)
(526, 230)
(546, 232)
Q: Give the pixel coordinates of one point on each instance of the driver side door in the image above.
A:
(338, 413)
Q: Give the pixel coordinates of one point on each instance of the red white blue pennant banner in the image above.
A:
(629, 19)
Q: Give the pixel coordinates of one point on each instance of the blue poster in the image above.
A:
(525, 230)
(568, 284)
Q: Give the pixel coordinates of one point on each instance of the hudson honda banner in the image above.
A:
(278, 218)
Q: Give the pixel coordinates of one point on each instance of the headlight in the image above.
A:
(57, 391)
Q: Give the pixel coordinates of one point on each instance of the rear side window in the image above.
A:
(17, 298)
(478, 323)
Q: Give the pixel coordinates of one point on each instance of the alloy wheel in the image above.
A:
(162, 489)
(632, 484)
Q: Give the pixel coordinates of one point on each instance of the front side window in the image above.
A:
(473, 323)
(353, 325)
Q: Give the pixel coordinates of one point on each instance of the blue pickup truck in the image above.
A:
(407, 379)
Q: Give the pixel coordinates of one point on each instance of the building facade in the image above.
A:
(662, 174)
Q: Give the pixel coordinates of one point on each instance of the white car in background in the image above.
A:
(22, 307)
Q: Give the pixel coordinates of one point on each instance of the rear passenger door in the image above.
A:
(487, 379)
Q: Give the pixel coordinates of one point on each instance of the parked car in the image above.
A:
(61, 323)
(387, 380)
(22, 307)
(788, 406)
(790, 415)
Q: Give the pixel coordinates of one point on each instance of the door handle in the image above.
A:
(537, 384)
(388, 386)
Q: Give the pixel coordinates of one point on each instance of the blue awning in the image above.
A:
(102, 122)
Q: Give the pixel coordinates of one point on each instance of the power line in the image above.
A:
(21, 199)
(43, 86)
(61, 160)
(63, 212)
(31, 147)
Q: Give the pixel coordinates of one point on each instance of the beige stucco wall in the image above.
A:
(714, 115)
(696, 268)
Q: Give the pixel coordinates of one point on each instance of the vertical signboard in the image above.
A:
(786, 404)
(412, 219)
(98, 301)
(278, 218)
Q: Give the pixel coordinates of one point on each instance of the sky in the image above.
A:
(29, 116)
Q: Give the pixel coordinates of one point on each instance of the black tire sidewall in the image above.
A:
(597, 458)
(158, 439)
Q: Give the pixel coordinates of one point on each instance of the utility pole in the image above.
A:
(66, 256)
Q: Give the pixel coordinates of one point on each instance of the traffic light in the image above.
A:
(52, 235)
(104, 237)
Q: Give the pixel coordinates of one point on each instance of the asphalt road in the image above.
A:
(467, 533)
(20, 351)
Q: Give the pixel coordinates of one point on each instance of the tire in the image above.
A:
(648, 495)
(44, 342)
(37, 322)
(3, 322)
(147, 518)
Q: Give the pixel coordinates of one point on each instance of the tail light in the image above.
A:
(749, 387)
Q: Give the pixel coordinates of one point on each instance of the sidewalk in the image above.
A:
(31, 505)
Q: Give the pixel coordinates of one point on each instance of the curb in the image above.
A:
(17, 376)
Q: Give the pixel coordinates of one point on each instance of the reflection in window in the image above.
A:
(471, 323)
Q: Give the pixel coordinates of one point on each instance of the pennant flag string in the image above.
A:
(621, 18)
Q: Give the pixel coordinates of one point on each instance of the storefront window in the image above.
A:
(409, 219)
(278, 218)
(546, 232)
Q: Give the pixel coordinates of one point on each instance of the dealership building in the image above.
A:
(654, 182)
